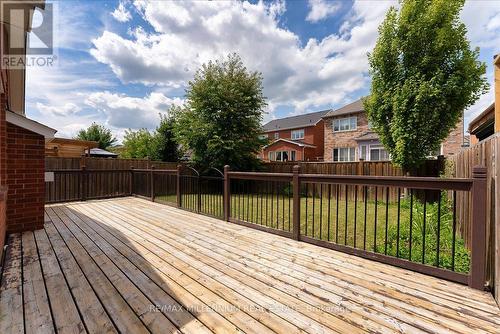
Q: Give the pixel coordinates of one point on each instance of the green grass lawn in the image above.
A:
(352, 223)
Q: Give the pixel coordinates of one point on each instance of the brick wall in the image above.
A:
(25, 179)
(453, 143)
(345, 138)
(3, 141)
(3, 221)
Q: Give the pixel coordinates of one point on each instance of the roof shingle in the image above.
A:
(293, 122)
(356, 106)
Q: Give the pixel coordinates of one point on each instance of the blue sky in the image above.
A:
(121, 63)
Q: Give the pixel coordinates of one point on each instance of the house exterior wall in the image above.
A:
(454, 142)
(313, 135)
(3, 140)
(284, 146)
(344, 138)
(25, 179)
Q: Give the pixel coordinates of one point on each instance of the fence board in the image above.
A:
(61, 163)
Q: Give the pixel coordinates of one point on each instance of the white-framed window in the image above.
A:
(345, 124)
(298, 134)
(344, 154)
(271, 156)
(363, 152)
(276, 135)
(378, 153)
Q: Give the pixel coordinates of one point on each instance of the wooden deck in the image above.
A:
(131, 266)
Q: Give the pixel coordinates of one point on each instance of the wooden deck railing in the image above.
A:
(408, 222)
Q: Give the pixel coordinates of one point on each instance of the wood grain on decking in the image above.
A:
(131, 266)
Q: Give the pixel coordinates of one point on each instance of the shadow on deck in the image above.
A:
(132, 266)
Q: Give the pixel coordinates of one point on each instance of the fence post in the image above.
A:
(477, 275)
(84, 183)
(152, 180)
(227, 194)
(179, 195)
(296, 202)
(131, 185)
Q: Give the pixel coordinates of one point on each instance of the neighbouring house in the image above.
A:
(69, 148)
(296, 138)
(348, 137)
(22, 141)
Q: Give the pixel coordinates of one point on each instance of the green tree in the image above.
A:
(99, 134)
(166, 146)
(424, 75)
(138, 144)
(221, 120)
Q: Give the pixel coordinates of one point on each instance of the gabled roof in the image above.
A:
(294, 122)
(481, 120)
(290, 141)
(368, 136)
(354, 107)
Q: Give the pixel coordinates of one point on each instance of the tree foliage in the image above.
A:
(424, 75)
(97, 133)
(159, 145)
(221, 120)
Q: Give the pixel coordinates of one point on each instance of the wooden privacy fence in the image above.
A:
(58, 163)
(486, 153)
(348, 213)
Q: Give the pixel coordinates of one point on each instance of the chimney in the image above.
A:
(496, 63)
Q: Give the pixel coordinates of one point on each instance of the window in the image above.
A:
(378, 153)
(271, 156)
(363, 150)
(298, 134)
(282, 156)
(345, 124)
(276, 135)
(292, 155)
(344, 154)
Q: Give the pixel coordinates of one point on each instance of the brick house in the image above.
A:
(296, 138)
(22, 149)
(348, 136)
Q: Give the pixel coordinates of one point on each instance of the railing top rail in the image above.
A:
(169, 171)
(394, 181)
(78, 170)
(260, 176)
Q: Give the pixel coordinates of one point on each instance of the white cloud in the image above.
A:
(188, 34)
(121, 13)
(64, 110)
(321, 9)
(124, 111)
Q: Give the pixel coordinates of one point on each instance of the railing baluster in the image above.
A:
(313, 207)
(337, 215)
(399, 222)
(329, 208)
(454, 230)
(386, 218)
(355, 214)
(321, 211)
(366, 208)
(411, 223)
(438, 230)
(375, 221)
(307, 208)
(424, 230)
(346, 213)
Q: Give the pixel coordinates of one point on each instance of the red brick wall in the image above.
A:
(453, 143)
(25, 179)
(313, 135)
(3, 141)
(3, 222)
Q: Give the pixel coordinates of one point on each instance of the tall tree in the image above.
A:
(221, 120)
(166, 145)
(138, 144)
(98, 133)
(424, 75)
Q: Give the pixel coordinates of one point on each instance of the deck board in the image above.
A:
(129, 265)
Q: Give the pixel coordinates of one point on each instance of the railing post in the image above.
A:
(84, 183)
(179, 194)
(477, 275)
(227, 194)
(296, 202)
(198, 194)
(131, 185)
(152, 180)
